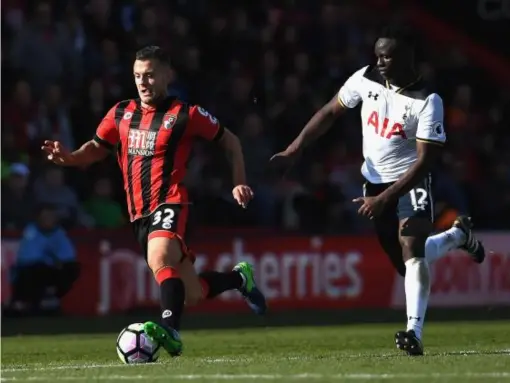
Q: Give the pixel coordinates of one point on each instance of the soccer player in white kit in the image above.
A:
(403, 135)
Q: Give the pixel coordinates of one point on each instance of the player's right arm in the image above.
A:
(347, 97)
(95, 150)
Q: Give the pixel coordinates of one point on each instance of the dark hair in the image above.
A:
(45, 206)
(403, 34)
(152, 52)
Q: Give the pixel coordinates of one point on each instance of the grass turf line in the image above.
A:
(454, 352)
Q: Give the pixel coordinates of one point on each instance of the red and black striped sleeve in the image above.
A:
(203, 124)
(107, 133)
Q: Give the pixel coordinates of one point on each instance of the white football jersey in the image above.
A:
(393, 120)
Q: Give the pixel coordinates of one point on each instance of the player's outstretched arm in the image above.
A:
(92, 151)
(319, 124)
(86, 155)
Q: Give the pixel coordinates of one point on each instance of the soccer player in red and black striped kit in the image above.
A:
(153, 136)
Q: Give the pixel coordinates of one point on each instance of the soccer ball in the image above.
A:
(134, 346)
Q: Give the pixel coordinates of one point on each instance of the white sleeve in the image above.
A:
(350, 93)
(430, 121)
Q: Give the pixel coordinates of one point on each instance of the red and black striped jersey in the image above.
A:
(153, 147)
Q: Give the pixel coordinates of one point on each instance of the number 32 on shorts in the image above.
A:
(164, 218)
(419, 198)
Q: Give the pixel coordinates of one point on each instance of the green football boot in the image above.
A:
(249, 290)
(168, 338)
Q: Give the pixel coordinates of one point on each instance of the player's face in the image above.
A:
(388, 57)
(151, 79)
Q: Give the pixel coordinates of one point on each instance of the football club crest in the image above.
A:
(169, 121)
(438, 129)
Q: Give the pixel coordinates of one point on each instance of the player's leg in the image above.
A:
(172, 264)
(413, 234)
(416, 224)
(459, 236)
(387, 228)
(210, 284)
(164, 255)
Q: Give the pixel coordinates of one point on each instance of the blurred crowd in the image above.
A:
(263, 68)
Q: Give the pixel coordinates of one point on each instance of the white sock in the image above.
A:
(417, 288)
(438, 245)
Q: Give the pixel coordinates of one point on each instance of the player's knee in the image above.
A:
(163, 252)
(412, 247)
(412, 237)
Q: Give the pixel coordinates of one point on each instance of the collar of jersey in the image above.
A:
(400, 90)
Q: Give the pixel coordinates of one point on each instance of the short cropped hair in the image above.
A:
(403, 34)
(152, 52)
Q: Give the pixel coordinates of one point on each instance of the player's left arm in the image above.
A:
(430, 138)
(204, 125)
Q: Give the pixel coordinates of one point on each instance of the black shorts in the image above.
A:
(418, 202)
(169, 221)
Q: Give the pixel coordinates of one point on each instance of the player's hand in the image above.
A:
(370, 206)
(284, 160)
(56, 153)
(243, 195)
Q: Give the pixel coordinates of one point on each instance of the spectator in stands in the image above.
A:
(17, 201)
(292, 111)
(41, 50)
(112, 70)
(10, 153)
(105, 211)
(53, 119)
(72, 27)
(278, 61)
(46, 267)
(321, 207)
(269, 77)
(257, 148)
(87, 115)
(18, 115)
(51, 189)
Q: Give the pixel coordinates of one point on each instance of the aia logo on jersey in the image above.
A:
(383, 128)
(141, 142)
(169, 121)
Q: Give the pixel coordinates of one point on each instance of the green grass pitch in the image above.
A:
(455, 352)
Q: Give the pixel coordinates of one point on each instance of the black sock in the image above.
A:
(218, 282)
(172, 302)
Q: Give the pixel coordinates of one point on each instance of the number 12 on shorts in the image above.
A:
(418, 198)
(165, 217)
